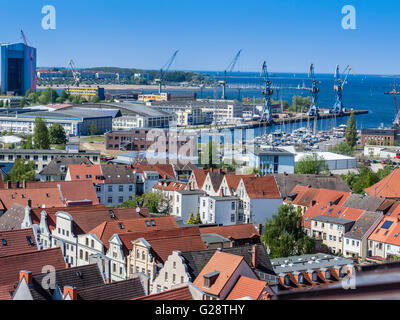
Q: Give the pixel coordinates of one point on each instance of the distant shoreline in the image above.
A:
(128, 87)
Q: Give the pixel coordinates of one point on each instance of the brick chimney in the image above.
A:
(24, 184)
(71, 291)
(259, 228)
(9, 185)
(254, 256)
(27, 275)
(108, 281)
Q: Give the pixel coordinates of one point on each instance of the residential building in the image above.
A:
(259, 199)
(45, 195)
(355, 241)
(331, 231)
(57, 169)
(186, 202)
(182, 293)
(219, 210)
(221, 274)
(35, 261)
(113, 184)
(309, 271)
(272, 161)
(230, 183)
(185, 267)
(30, 286)
(149, 253)
(113, 240)
(42, 158)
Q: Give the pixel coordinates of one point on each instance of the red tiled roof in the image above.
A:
(222, 262)
(10, 266)
(200, 175)
(16, 242)
(247, 287)
(164, 170)
(107, 229)
(308, 197)
(233, 232)
(178, 294)
(390, 234)
(261, 187)
(388, 187)
(163, 242)
(233, 180)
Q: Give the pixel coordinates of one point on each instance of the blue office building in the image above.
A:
(15, 68)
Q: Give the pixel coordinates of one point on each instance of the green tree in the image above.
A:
(22, 171)
(343, 148)
(351, 131)
(311, 164)
(208, 155)
(284, 234)
(198, 219)
(151, 200)
(95, 99)
(28, 144)
(191, 219)
(300, 104)
(93, 128)
(41, 135)
(57, 134)
(23, 103)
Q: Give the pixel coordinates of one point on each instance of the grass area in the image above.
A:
(94, 139)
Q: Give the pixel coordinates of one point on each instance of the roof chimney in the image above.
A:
(260, 228)
(27, 275)
(17, 184)
(71, 291)
(254, 256)
(9, 185)
(29, 203)
(24, 184)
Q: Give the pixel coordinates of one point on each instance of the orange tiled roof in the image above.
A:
(335, 211)
(308, 197)
(233, 180)
(222, 262)
(178, 294)
(16, 242)
(388, 187)
(84, 171)
(171, 186)
(247, 287)
(261, 187)
(390, 233)
(233, 232)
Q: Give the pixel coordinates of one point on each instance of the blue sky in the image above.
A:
(289, 34)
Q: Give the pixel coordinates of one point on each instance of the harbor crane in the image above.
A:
(314, 93)
(164, 70)
(266, 115)
(31, 57)
(229, 69)
(75, 73)
(338, 87)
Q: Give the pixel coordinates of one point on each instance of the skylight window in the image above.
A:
(396, 235)
(29, 240)
(121, 226)
(153, 223)
(387, 224)
(330, 210)
(148, 224)
(4, 242)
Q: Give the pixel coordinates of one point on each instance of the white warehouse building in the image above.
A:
(333, 160)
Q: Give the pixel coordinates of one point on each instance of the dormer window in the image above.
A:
(314, 276)
(328, 275)
(210, 278)
(287, 280)
(301, 278)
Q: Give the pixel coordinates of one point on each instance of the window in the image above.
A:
(174, 265)
(233, 205)
(347, 241)
(120, 270)
(44, 158)
(98, 188)
(173, 278)
(330, 237)
(114, 267)
(120, 199)
(121, 188)
(92, 242)
(331, 226)
(109, 200)
(137, 254)
(166, 276)
(232, 217)
(110, 188)
(130, 188)
(86, 256)
(87, 241)
(314, 277)
(182, 279)
(352, 242)
(143, 256)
